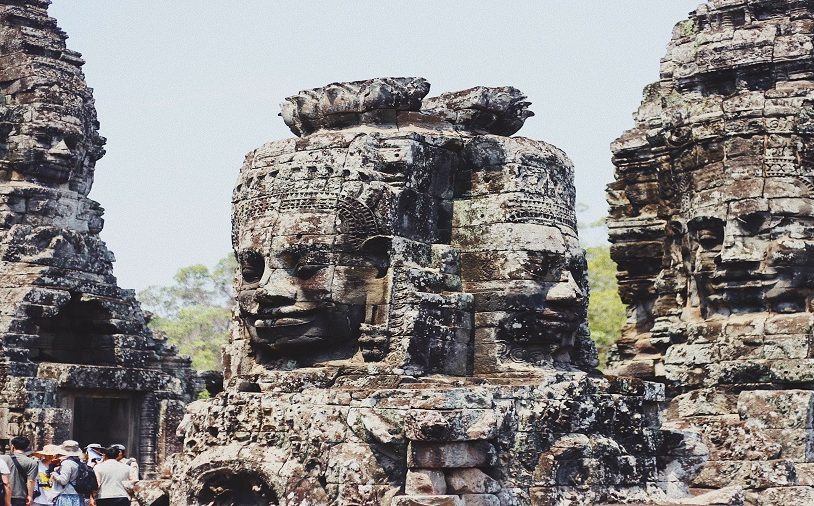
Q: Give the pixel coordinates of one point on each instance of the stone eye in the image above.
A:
(306, 271)
(709, 232)
(752, 223)
(252, 266)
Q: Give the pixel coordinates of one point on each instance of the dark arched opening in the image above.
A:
(81, 333)
(242, 488)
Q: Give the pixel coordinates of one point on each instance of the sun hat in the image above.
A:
(69, 448)
(94, 446)
(119, 447)
(49, 450)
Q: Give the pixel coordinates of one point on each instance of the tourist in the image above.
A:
(47, 460)
(111, 474)
(95, 454)
(23, 472)
(4, 475)
(133, 463)
(67, 472)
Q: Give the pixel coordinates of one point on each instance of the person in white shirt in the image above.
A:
(95, 454)
(111, 475)
(4, 473)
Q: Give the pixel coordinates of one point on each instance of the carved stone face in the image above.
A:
(304, 286)
(752, 254)
(54, 150)
(546, 294)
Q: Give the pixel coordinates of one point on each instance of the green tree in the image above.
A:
(606, 312)
(195, 311)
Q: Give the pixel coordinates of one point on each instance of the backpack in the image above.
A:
(85, 482)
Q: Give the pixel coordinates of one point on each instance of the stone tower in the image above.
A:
(410, 325)
(712, 226)
(77, 358)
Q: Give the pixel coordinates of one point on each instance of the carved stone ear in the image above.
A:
(377, 249)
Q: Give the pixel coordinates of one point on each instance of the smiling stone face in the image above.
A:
(310, 265)
(419, 236)
(751, 255)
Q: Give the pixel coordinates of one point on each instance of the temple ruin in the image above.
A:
(74, 344)
(712, 226)
(410, 326)
(411, 323)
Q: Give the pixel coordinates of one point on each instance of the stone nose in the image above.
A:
(735, 248)
(60, 149)
(566, 290)
(276, 290)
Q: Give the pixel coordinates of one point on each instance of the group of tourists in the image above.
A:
(65, 475)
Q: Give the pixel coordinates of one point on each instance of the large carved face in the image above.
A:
(309, 276)
(54, 144)
(546, 291)
(747, 245)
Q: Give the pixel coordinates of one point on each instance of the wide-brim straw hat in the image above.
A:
(70, 448)
(47, 451)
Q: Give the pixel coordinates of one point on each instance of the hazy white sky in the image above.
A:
(184, 88)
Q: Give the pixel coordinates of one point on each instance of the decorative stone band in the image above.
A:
(354, 217)
(541, 212)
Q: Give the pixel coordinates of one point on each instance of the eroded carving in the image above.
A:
(70, 335)
(712, 228)
(411, 316)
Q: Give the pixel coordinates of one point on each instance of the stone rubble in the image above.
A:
(712, 228)
(67, 329)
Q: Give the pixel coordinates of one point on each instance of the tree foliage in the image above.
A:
(194, 312)
(606, 312)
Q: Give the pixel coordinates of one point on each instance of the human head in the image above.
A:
(520, 252)
(69, 448)
(20, 443)
(47, 454)
(112, 452)
(120, 449)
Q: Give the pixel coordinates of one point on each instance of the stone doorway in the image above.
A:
(104, 418)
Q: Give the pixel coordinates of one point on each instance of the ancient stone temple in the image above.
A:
(77, 358)
(410, 327)
(712, 225)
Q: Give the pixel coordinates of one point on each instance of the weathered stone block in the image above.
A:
(454, 425)
(794, 323)
(425, 482)
(480, 500)
(784, 346)
(785, 409)
(704, 402)
(786, 496)
(470, 481)
(427, 500)
(443, 455)
(720, 474)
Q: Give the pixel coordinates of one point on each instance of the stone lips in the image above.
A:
(711, 224)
